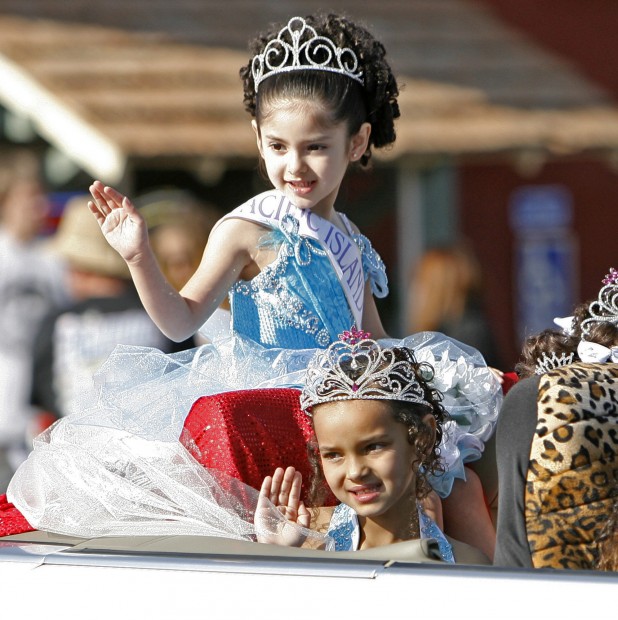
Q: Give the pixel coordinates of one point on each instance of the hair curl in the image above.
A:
(345, 99)
(601, 332)
(546, 342)
(420, 435)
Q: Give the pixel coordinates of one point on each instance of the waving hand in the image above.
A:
(282, 490)
(121, 223)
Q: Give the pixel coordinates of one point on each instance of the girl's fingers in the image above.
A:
(265, 488)
(115, 196)
(287, 485)
(295, 490)
(304, 516)
(96, 212)
(107, 198)
(277, 479)
(99, 199)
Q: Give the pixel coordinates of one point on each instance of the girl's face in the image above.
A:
(306, 157)
(366, 457)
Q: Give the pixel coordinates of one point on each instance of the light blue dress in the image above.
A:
(344, 529)
(284, 306)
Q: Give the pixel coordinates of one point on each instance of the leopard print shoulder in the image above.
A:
(573, 464)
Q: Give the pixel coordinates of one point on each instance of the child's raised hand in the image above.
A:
(121, 223)
(282, 490)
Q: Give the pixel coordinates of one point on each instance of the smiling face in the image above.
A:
(367, 460)
(305, 155)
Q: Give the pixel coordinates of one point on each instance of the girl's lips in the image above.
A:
(301, 188)
(365, 494)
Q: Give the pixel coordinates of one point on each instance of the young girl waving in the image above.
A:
(316, 110)
(296, 271)
(377, 425)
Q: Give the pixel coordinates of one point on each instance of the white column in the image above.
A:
(410, 237)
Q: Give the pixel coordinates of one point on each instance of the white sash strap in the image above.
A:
(592, 352)
(270, 208)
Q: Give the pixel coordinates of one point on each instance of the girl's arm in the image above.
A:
(177, 314)
(371, 318)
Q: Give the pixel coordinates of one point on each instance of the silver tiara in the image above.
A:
(545, 363)
(383, 376)
(299, 47)
(605, 308)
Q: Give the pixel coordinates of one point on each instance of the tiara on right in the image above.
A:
(605, 308)
(545, 363)
(378, 373)
(299, 47)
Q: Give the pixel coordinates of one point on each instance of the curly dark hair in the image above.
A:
(601, 332)
(374, 102)
(547, 341)
(420, 435)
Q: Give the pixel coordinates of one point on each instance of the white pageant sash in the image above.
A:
(270, 207)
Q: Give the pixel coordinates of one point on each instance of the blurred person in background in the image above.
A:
(72, 343)
(32, 283)
(445, 295)
(178, 227)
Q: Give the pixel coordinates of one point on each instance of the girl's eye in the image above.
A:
(330, 456)
(316, 147)
(375, 447)
(275, 146)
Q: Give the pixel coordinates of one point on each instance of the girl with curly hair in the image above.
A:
(321, 96)
(378, 425)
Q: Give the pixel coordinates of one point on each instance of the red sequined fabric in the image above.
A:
(11, 520)
(509, 379)
(249, 433)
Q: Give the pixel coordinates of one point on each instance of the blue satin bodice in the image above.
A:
(297, 302)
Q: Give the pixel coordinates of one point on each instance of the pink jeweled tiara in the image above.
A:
(384, 376)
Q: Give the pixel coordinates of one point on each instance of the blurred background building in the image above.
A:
(508, 136)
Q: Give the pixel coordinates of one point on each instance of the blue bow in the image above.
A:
(301, 245)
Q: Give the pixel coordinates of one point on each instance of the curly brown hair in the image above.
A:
(420, 435)
(601, 332)
(345, 99)
(547, 342)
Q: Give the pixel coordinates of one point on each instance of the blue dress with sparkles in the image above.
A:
(284, 306)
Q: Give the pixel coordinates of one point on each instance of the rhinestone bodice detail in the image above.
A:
(297, 301)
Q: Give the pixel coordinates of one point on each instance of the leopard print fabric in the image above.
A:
(573, 464)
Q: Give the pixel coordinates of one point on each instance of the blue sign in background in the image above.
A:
(545, 257)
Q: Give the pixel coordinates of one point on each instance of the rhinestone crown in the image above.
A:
(299, 47)
(378, 373)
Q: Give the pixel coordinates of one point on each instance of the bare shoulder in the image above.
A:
(236, 231)
(238, 225)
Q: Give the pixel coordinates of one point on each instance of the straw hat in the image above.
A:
(80, 242)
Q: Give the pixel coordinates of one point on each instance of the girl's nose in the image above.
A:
(296, 163)
(356, 469)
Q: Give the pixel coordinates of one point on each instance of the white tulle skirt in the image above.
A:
(118, 467)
